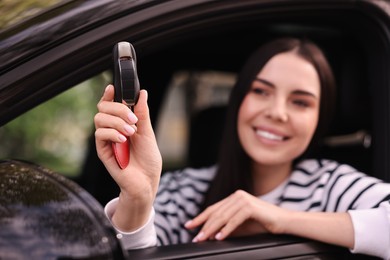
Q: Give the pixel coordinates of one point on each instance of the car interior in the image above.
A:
(354, 136)
(350, 136)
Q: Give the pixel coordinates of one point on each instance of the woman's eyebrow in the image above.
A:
(304, 93)
(266, 82)
(295, 92)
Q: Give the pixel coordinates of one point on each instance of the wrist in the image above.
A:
(290, 222)
(285, 222)
(131, 212)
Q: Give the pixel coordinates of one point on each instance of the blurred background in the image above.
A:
(59, 133)
(58, 141)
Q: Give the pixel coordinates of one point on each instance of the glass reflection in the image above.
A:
(44, 215)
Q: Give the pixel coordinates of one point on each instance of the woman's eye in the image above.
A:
(301, 103)
(260, 91)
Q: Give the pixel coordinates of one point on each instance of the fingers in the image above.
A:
(202, 217)
(239, 217)
(107, 106)
(109, 135)
(221, 219)
(141, 109)
(108, 94)
(114, 121)
(110, 122)
(221, 222)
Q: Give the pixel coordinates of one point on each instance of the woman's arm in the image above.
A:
(179, 196)
(139, 181)
(363, 231)
(332, 228)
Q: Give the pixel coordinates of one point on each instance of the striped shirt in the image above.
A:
(314, 185)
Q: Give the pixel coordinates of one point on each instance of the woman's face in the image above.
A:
(279, 114)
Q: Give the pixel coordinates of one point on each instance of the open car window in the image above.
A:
(55, 134)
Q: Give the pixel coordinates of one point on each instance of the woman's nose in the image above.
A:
(277, 110)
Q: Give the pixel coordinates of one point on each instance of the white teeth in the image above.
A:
(269, 135)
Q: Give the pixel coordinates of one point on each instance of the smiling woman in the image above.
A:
(293, 98)
(264, 180)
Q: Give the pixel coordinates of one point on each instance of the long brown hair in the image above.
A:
(234, 165)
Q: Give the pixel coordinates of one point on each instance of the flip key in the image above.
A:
(127, 89)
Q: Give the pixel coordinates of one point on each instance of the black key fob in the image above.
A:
(126, 81)
(127, 89)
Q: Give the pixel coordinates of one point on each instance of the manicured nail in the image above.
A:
(188, 223)
(218, 236)
(133, 118)
(122, 138)
(129, 130)
(198, 237)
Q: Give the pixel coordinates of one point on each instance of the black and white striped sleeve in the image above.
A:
(367, 200)
(178, 200)
(334, 187)
(179, 197)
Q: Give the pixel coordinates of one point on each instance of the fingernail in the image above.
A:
(198, 237)
(129, 130)
(108, 86)
(188, 223)
(122, 138)
(133, 118)
(218, 236)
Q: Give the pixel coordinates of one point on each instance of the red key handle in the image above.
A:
(122, 153)
(127, 89)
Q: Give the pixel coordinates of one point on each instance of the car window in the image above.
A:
(55, 133)
(189, 93)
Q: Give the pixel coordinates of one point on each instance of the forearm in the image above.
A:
(332, 228)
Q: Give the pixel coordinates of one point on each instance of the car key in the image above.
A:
(127, 87)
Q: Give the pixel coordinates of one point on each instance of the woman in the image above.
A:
(278, 109)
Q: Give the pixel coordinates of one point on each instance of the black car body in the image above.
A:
(72, 42)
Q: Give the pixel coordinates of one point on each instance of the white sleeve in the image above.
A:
(372, 230)
(143, 237)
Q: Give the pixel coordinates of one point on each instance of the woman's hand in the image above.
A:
(244, 214)
(138, 182)
(237, 215)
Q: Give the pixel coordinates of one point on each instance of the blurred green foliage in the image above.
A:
(13, 11)
(55, 134)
